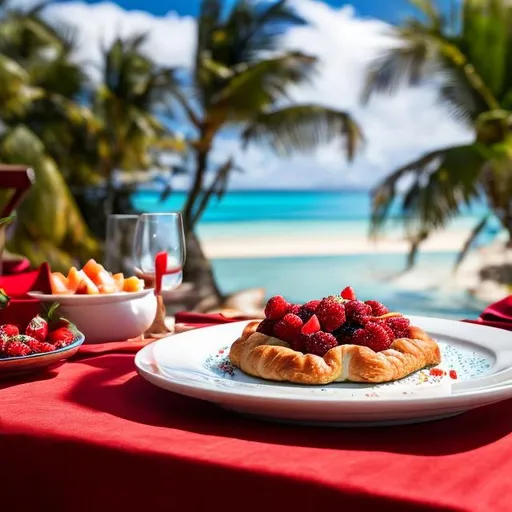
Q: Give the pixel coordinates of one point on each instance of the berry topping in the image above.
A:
(357, 311)
(295, 308)
(345, 334)
(311, 305)
(311, 326)
(266, 326)
(8, 331)
(399, 325)
(276, 308)
(39, 347)
(348, 293)
(288, 328)
(378, 309)
(299, 343)
(373, 336)
(320, 343)
(331, 314)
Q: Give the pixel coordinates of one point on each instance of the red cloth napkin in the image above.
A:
(497, 315)
(22, 308)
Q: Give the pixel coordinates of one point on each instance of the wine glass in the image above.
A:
(119, 243)
(159, 249)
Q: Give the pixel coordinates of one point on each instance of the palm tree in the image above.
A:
(33, 57)
(132, 92)
(240, 80)
(469, 52)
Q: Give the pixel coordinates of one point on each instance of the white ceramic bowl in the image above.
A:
(109, 317)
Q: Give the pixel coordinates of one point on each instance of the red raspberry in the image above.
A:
(266, 326)
(39, 347)
(288, 328)
(299, 343)
(320, 343)
(311, 326)
(295, 308)
(373, 336)
(399, 325)
(8, 331)
(331, 314)
(276, 308)
(311, 305)
(17, 349)
(348, 293)
(389, 331)
(378, 309)
(357, 311)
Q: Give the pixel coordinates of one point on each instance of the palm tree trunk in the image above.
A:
(198, 269)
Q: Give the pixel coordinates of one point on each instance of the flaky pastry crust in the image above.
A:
(270, 358)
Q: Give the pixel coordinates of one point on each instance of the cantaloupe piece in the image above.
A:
(133, 284)
(59, 284)
(92, 268)
(74, 279)
(100, 277)
(86, 286)
(119, 280)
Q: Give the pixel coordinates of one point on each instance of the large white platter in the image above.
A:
(196, 364)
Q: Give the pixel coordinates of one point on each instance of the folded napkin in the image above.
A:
(186, 320)
(497, 315)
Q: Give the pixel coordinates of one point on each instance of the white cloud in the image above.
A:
(397, 128)
(170, 41)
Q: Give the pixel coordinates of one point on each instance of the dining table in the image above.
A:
(92, 435)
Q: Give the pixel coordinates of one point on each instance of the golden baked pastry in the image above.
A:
(266, 356)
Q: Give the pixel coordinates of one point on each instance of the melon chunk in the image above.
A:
(59, 284)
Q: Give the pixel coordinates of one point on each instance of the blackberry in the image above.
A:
(345, 334)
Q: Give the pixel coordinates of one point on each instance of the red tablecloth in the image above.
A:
(93, 436)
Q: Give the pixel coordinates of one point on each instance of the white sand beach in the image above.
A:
(294, 244)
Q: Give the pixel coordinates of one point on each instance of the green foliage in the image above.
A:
(472, 54)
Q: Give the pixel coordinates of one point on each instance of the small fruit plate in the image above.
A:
(32, 363)
(196, 364)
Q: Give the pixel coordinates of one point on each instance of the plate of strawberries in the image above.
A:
(45, 341)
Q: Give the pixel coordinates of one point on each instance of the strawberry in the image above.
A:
(311, 326)
(61, 337)
(39, 347)
(17, 349)
(8, 331)
(348, 293)
(38, 326)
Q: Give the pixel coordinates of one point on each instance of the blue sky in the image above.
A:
(388, 10)
(345, 36)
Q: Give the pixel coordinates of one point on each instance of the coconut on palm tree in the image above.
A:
(469, 51)
(240, 80)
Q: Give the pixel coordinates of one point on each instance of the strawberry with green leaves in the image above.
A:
(38, 327)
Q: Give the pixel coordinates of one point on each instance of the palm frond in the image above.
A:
(441, 182)
(262, 83)
(303, 127)
(428, 8)
(402, 65)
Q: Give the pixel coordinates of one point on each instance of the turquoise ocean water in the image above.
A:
(300, 278)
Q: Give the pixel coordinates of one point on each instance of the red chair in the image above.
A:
(19, 179)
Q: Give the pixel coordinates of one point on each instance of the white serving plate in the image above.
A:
(195, 363)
